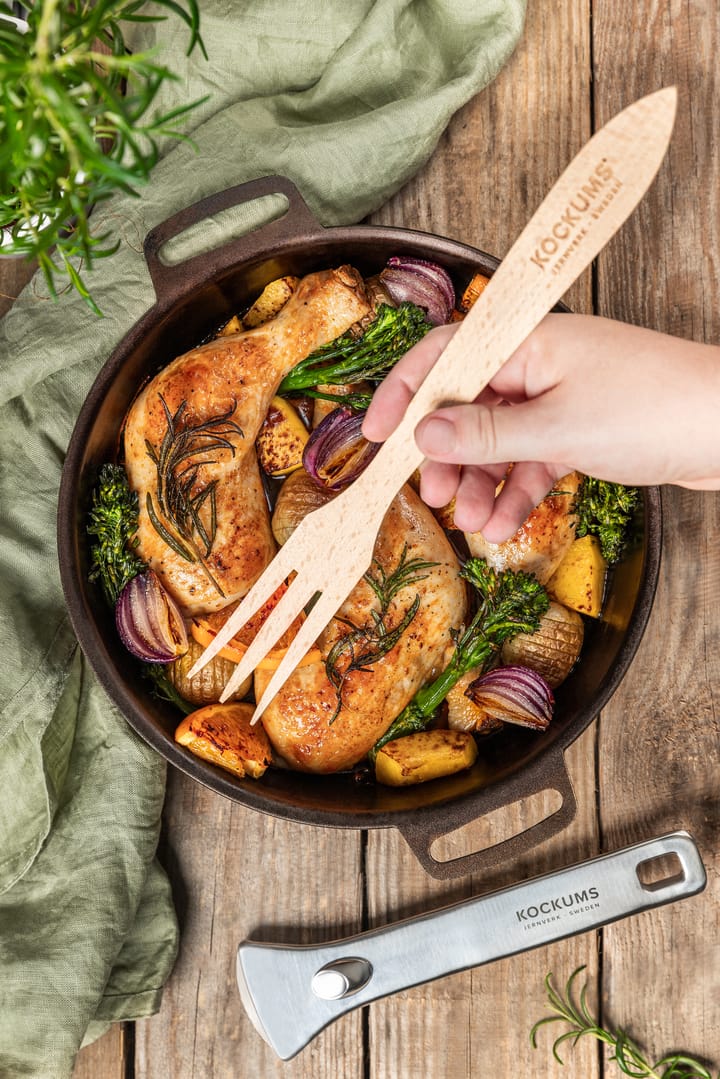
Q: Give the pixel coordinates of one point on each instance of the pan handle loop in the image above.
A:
(420, 833)
(173, 281)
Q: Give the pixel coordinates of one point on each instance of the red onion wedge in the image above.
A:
(515, 695)
(149, 622)
(420, 282)
(336, 452)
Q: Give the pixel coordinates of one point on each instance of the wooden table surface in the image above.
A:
(649, 764)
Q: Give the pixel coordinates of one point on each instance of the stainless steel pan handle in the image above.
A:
(292, 992)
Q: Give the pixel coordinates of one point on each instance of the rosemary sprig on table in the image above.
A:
(365, 645)
(626, 1053)
(190, 509)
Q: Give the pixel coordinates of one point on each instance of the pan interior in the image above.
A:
(343, 800)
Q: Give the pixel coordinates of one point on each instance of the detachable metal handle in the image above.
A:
(292, 992)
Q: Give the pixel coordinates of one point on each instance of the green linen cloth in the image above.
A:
(348, 99)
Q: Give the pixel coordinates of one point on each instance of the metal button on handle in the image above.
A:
(341, 978)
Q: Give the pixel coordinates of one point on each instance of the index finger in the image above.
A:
(397, 389)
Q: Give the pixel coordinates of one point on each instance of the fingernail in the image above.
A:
(438, 436)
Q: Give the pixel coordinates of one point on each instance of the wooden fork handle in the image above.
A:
(586, 206)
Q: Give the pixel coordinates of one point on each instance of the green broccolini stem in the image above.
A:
(353, 359)
(509, 603)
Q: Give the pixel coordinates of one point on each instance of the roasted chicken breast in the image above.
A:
(190, 444)
(300, 720)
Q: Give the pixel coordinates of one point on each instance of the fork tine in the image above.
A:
(270, 579)
(288, 608)
(325, 607)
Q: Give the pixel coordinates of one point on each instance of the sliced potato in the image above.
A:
(270, 301)
(223, 735)
(579, 580)
(208, 684)
(423, 756)
(553, 649)
(282, 439)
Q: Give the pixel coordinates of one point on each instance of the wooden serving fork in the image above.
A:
(333, 546)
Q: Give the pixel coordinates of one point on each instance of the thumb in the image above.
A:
(478, 434)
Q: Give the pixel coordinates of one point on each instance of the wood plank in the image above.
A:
(237, 872)
(497, 160)
(14, 275)
(660, 738)
(106, 1058)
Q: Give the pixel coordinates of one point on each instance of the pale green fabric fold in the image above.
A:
(348, 99)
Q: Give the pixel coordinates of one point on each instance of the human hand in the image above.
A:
(614, 401)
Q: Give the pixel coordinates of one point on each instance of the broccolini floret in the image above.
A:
(606, 510)
(349, 359)
(114, 520)
(509, 603)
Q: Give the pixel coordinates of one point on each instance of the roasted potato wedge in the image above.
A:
(223, 735)
(416, 758)
(231, 327)
(579, 580)
(282, 439)
(270, 301)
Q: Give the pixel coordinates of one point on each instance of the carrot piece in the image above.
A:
(477, 285)
(204, 634)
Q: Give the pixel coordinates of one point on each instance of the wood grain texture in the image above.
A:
(14, 275)
(106, 1058)
(236, 873)
(660, 737)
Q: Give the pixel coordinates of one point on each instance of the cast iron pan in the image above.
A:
(193, 299)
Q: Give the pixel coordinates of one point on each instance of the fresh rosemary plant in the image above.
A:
(189, 508)
(628, 1056)
(365, 645)
(76, 124)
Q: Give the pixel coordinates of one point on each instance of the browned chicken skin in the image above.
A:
(226, 386)
(298, 720)
(541, 543)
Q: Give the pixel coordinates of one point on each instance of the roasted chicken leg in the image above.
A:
(299, 721)
(190, 444)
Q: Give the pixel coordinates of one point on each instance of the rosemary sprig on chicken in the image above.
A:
(180, 500)
(508, 603)
(365, 645)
